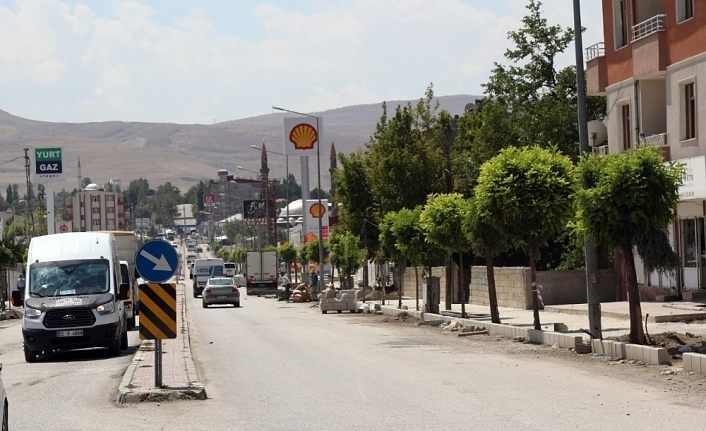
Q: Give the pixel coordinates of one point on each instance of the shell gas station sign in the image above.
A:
(313, 213)
(301, 136)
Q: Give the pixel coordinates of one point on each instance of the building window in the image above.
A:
(685, 10)
(110, 198)
(688, 105)
(625, 126)
(110, 210)
(95, 199)
(95, 211)
(96, 223)
(620, 23)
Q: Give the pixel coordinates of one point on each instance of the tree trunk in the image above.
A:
(449, 288)
(492, 294)
(400, 283)
(533, 287)
(461, 287)
(416, 287)
(637, 333)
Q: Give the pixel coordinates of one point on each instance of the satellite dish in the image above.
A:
(597, 133)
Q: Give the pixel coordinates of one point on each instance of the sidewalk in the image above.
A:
(179, 377)
(615, 318)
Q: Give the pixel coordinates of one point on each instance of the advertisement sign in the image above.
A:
(254, 209)
(313, 212)
(301, 135)
(693, 178)
(48, 164)
(209, 199)
(62, 227)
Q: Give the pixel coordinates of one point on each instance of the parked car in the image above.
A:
(220, 290)
(199, 250)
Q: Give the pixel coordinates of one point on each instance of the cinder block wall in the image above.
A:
(409, 286)
(511, 285)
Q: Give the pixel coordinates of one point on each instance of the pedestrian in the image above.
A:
(313, 284)
(287, 284)
(20, 283)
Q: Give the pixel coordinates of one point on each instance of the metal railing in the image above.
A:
(648, 27)
(601, 151)
(594, 51)
(657, 140)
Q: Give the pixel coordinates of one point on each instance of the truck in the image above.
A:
(261, 272)
(204, 269)
(126, 242)
(74, 295)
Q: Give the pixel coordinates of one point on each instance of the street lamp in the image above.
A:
(286, 167)
(318, 171)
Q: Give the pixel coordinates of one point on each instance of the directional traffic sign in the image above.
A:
(156, 261)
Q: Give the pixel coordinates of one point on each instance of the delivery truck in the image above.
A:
(261, 272)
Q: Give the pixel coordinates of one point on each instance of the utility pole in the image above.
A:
(594, 306)
(29, 229)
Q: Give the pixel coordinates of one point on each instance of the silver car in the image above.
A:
(220, 290)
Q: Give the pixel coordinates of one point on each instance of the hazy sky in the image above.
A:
(218, 60)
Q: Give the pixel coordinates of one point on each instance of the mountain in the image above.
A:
(184, 153)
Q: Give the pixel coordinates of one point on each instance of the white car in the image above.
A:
(220, 290)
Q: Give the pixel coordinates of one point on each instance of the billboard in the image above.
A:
(254, 209)
(209, 199)
(301, 135)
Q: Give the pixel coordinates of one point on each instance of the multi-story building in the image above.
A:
(652, 69)
(95, 209)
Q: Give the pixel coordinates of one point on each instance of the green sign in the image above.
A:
(48, 164)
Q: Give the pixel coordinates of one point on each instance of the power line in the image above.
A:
(11, 160)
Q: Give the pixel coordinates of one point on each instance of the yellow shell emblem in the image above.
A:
(317, 210)
(303, 136)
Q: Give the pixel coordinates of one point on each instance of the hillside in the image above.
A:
(183, 153)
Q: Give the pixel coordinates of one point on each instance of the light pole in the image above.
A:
(318, 185)
(286, 167)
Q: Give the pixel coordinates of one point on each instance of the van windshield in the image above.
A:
(69, 277)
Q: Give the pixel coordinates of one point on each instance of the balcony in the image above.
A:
(649, 47)
(601, 150)
(658, 141)
(596, 70)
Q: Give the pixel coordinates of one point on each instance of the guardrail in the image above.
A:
(648, 27)
(594, 51)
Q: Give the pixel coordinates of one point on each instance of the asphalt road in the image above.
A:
(272, 365)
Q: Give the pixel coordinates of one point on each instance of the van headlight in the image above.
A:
(32, 313)
(107, 308)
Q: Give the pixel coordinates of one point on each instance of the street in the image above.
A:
(273, 365)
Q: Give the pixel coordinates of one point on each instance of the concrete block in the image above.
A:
(702, 363)
(598, 347)
(686, 361)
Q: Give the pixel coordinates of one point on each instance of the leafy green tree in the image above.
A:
(164, 204)
(85, 181)
(347, 254)
(314, 194)
(10, 196)
(358, 208)
(528, 192)
(389, 229)
(290, 185)
(442, 219)
(629, 199)
(288, 253)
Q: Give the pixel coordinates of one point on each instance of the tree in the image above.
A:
(443, 222)
(358, 208)
(288, 253)
(347, 254)
(540, 98)
(290, 185)
(629, 199)
(85, 181)
(10, 196)
(166, 198)
(389, 231)
(528, 193)
(314, 194)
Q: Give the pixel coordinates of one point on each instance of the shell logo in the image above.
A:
(317, 210)
(303, 136)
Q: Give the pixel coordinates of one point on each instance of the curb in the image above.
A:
(194, 391)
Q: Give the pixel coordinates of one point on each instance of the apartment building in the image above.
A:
(95, 209)
(651, 67)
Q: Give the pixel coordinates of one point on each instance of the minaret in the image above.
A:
(270, 207)
(333, 166)
(79, 178)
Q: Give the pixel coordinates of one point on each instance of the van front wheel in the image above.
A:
(30, 356)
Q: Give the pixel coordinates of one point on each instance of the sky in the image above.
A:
(218, 60)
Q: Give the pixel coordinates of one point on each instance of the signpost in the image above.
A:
(48, 167)
(157, 261)
(209, 199)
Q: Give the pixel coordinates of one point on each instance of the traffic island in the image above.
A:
(179, 378)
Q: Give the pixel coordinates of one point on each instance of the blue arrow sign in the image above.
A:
(156, 261)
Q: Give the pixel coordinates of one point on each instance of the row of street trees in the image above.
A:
(498, 184)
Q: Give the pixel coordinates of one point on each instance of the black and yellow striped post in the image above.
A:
(158, 319)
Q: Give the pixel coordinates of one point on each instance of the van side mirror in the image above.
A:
(124, 292)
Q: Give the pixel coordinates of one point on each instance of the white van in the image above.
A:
(205, 269)
(74, 294)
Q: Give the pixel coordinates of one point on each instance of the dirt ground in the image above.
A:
(686, 387)
(675, 343)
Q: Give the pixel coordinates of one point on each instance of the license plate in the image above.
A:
(72, 333)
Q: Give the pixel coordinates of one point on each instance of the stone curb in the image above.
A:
(196, 389)
(694, 362)
(618, 350)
